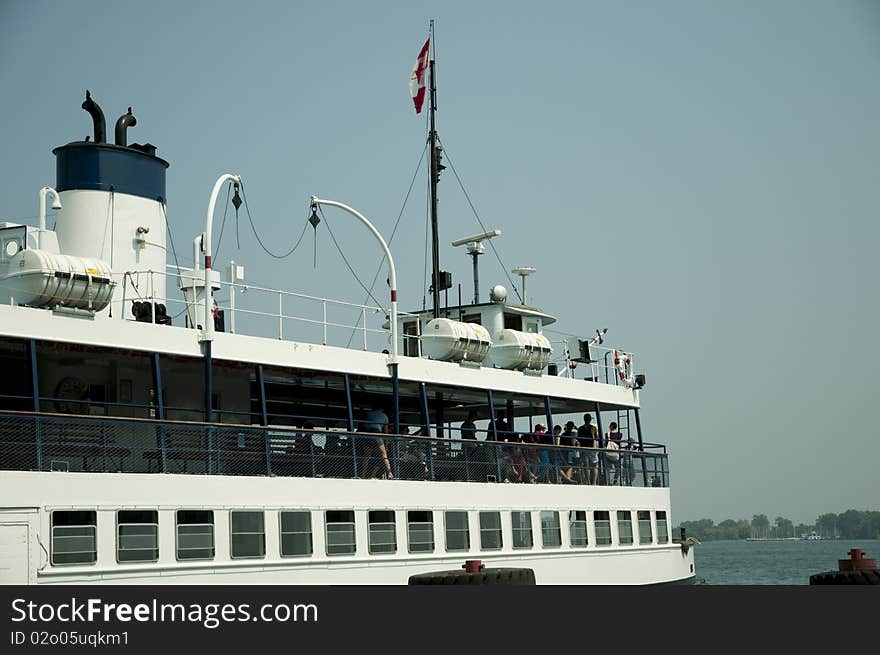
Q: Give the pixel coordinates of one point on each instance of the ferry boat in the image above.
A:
(152, 432)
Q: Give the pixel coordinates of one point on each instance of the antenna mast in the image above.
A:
(435, 169)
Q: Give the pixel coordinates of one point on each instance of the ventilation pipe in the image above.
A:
(122, 124)
(97, 118)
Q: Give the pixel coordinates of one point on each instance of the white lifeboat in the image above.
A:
(453, 341)
(516, 350)
(39, 278)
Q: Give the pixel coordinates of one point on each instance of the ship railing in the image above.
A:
(600, 368)
(261, 311)
(265, 311)
(60, 442)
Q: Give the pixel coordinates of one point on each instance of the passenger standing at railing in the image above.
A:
(501, 429)
(375, 421)
(587, 436)
(569, 459)
(544, 439)
(468, 434)
(614, 440)
(564, 456)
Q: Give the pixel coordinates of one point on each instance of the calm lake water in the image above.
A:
(773, 562)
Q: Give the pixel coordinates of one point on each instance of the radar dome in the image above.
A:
(498, 293)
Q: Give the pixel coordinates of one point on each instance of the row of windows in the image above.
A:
(74, 533)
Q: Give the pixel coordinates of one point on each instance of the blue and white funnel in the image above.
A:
(113, 198)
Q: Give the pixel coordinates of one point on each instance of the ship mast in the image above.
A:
(435, 168)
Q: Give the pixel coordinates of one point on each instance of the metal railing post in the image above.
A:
(493, 432)
(122, 311)
(280, 317)
(160, 410)
(152, 297)
(364, 324)
(264, 417)
(35, 390)
(232, 297)
(324, 307)
(426, 428)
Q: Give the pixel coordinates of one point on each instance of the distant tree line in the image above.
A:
(851, 524)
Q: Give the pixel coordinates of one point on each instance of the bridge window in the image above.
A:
(382, 535)
(551, 535)
(662, 528)
(602, 521)
(420, 528)
(522, 529)
(137, 536)
(74, 539)
(645, 536)
(490, 530)
(340, 532)
(296, 534)
(457, 531)
(248, 534)
(195, 534)
(624, 528)
(577, 528)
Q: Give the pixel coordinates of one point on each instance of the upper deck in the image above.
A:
(87, 392)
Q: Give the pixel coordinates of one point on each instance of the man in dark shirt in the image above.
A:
(468, 432)
(468, 429)
(587, 435)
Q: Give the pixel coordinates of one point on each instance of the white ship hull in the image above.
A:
(25, 531)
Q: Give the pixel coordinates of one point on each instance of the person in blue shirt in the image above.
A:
(375, 421)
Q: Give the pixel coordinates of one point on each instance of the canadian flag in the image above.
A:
(417, 78)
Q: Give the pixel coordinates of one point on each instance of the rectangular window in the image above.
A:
(137, 536)
(382, 537)
(77, 379)
(625, 528)
(340, 532)
(645, 536)
(195, 534)
(662, 529)
(420, 531)
(15, 389)
(410, 339)
(457, 533)
(296, 534)
(602, 521)
(74, 539)
(577, 528)
(490, 530)
(551, 534)
(522, 529)
(247, 534)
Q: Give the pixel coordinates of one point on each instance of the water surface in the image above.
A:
(774, 562)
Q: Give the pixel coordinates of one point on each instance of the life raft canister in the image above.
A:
(623, 363)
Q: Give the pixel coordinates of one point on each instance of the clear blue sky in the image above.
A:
(701, 178)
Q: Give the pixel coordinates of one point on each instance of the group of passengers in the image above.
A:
(570, 465)
(534, 464)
